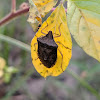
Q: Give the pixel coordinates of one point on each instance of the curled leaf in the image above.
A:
(38, 9)
(34, 16)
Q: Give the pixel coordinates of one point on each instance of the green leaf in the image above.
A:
(84, 24)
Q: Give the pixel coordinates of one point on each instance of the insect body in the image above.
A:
(47, 50)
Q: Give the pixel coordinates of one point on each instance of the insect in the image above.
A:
(47, 50)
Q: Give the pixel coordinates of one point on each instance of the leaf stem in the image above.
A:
(84, 83)
(15, 42)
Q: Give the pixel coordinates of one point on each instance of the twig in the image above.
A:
(13, 15)
(15, 42)
(13, 9)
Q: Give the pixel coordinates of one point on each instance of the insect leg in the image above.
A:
(62, 59)
(63, 45)
(58, 35)
(44, 28)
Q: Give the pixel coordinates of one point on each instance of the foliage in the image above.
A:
(82, 27)
(6, 72)
(84, 24)
(38, 9)
(87, 68)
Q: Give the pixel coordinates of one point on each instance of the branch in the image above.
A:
(13, 9)
(15, 42)
(13, 15)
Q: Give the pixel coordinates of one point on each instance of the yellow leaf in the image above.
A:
(38, 9)
(84, 24)
(56, 23)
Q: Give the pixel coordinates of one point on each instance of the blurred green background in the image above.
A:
(24, 83)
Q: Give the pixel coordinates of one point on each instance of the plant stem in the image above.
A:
(84, 83)
(13, 15)
(13, 9)
(15, 42)
(16, 14)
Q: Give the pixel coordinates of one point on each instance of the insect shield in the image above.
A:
(47, 50)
